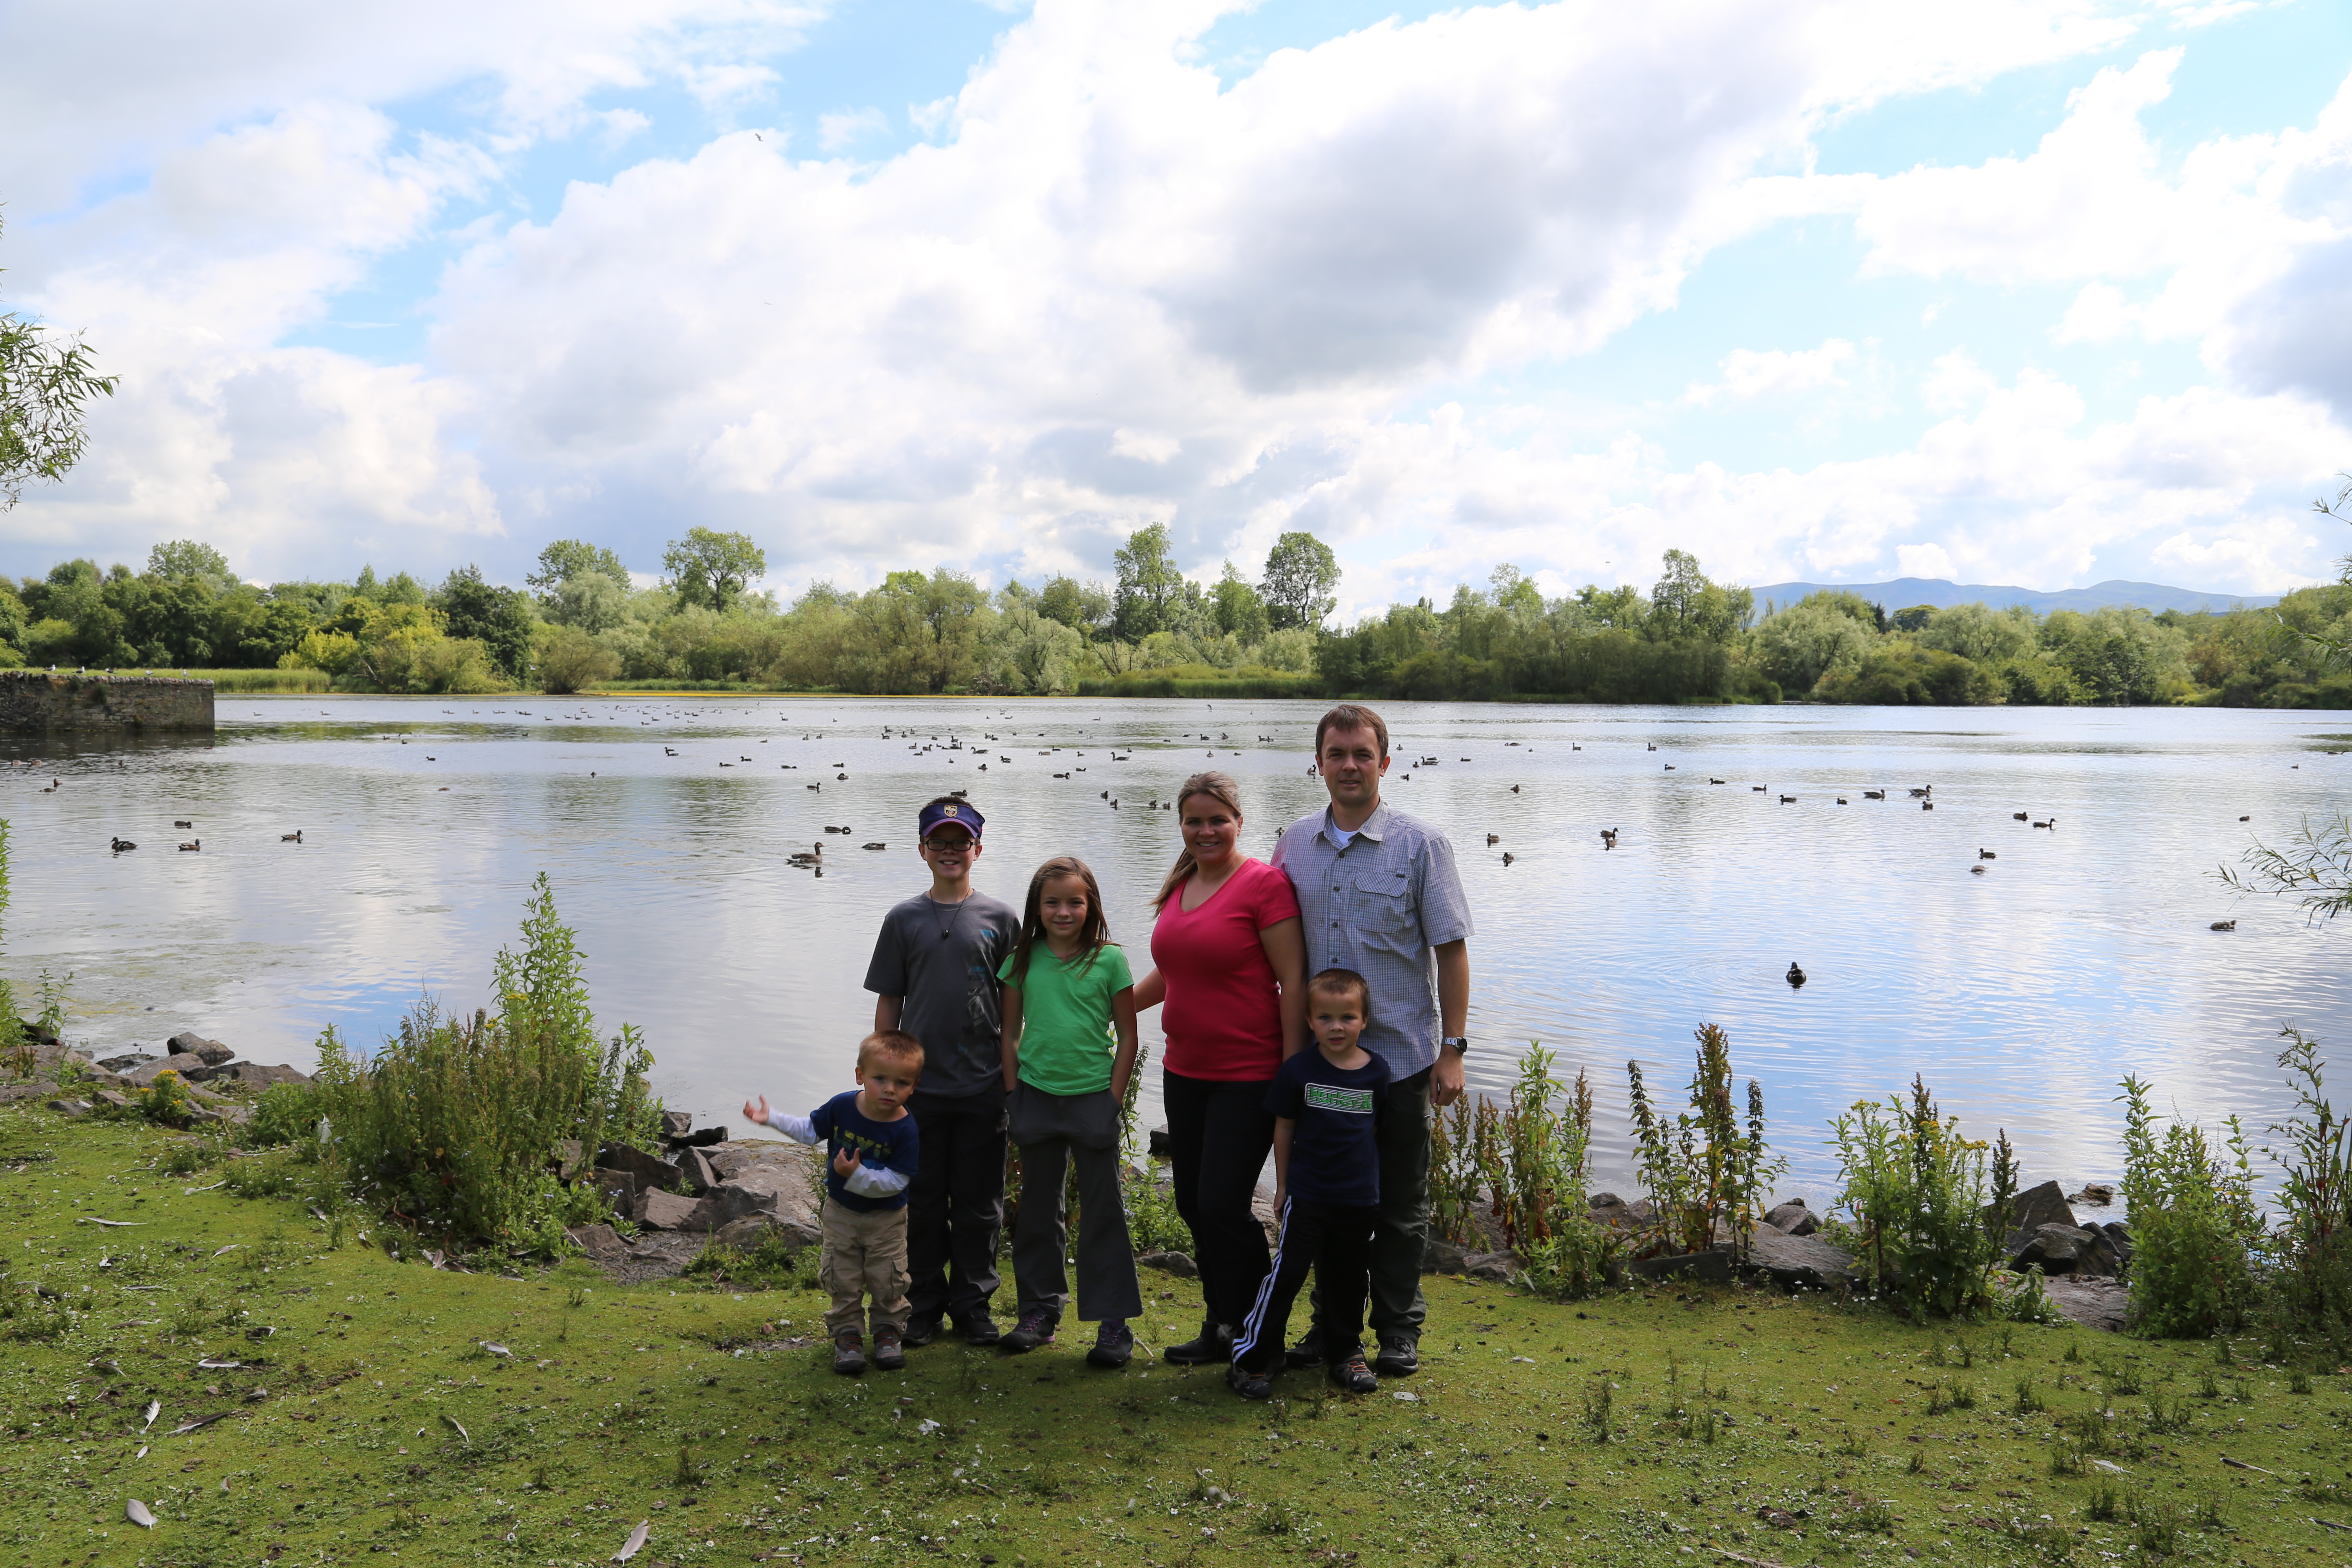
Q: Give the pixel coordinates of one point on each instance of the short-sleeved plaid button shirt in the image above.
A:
(1379, 906)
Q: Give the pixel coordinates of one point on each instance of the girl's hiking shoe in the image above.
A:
(1214, 1344)
(1035, 1328)
(1354, 1377)
(849, 1352)
(889, 1354)
(1114, 1343)
(1399, 1355)
(1249, 1385)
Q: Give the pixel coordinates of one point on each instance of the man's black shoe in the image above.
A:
(1309, 1350)
(979, 1329)
(921, 1329)
(1214, 1344)
(1399, 1356)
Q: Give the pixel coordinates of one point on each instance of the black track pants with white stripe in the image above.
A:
(1336, 1242)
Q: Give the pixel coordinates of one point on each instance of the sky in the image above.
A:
(2019, 292)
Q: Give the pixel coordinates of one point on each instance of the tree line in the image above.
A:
(581, 620)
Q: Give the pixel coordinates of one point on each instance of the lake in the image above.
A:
(2081, 953)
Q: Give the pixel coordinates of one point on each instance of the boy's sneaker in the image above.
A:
(849, 1352)
(1354, 1377)
(979, 1329)
(1035, 1328)
(1214, 1344)
(1114, 1343)
(889, 1354)
(1249, 1385)
(921, 1329)
(1399, 1355)
(1309, 1350)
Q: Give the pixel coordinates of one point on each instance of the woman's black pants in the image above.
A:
(1219, 1135)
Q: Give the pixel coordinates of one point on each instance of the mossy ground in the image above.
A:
(1739, 1425)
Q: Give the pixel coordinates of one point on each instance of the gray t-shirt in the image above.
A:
(943, 959)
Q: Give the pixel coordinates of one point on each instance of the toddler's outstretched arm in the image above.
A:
(799, 1129)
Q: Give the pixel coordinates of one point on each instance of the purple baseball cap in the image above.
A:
(951, 813)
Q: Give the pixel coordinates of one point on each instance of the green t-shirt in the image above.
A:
(1066, 1034)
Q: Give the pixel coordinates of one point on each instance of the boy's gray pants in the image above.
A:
(1053, 1131)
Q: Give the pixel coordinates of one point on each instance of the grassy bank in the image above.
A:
(368, 1413)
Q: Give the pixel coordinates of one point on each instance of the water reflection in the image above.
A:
(2022, 994)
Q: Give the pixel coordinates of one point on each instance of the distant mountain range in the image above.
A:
(1904, 592)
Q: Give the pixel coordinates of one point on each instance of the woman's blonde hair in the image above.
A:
(1217, 786)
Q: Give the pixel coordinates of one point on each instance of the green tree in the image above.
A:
(1686, 604)
(498, 619)
(1238, 610)
(187, 560)
(1147, 579)
(567, 558)
(1084, 607)
(713, 569)
(45, 384)
(1300, 575)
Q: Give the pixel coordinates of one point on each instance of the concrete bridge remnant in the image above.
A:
(47, 699)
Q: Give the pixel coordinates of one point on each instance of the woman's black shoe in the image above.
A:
(1214, 1344)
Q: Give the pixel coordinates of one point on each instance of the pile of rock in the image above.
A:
(740, 1196)
(2044, 1232)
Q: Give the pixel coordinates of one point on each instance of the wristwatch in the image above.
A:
(1459, 1043)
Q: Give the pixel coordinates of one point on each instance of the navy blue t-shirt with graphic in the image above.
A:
(1334, 1154)
(891, 1146)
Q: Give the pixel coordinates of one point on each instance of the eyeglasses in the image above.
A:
(941, 845)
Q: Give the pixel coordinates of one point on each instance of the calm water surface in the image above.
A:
(2082, 953)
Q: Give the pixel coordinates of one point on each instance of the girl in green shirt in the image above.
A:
(1069, 1050)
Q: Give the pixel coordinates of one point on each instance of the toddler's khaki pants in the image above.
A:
(865, 1255)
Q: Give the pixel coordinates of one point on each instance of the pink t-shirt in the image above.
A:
(1223, 1015)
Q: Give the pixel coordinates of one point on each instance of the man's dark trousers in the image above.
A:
(955, 1205)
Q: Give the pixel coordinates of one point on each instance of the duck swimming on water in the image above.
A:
(1796, 975)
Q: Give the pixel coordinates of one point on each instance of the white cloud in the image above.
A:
(1109, 289)
(848, 127)
(1923, 561)
(1749, 374)
(2100, 312)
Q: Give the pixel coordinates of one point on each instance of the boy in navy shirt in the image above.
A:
(875, 1151)
(1329, 1106)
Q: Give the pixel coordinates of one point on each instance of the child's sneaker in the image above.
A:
(1354, 1377)
(1114, 1343)
(890, 1354)
(849, 1352)
(1035, 1328)
(1247, 1384)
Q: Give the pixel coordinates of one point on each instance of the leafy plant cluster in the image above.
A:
(475, 1129)
(1704, 1173)
(1926, 1212)
(2195, 1227)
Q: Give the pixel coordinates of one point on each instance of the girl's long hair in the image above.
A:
(1093, 936)
(1217, 786)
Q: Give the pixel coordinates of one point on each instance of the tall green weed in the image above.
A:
(2194, 1226)
(455, 1124)
(1705, 1175)
(2311, 1249)
(1926, 1225)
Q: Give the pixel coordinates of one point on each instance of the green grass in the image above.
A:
(1651, 1427)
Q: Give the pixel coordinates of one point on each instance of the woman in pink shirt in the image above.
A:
(1229, 962)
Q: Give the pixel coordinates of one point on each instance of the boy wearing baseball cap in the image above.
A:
(934, 976)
